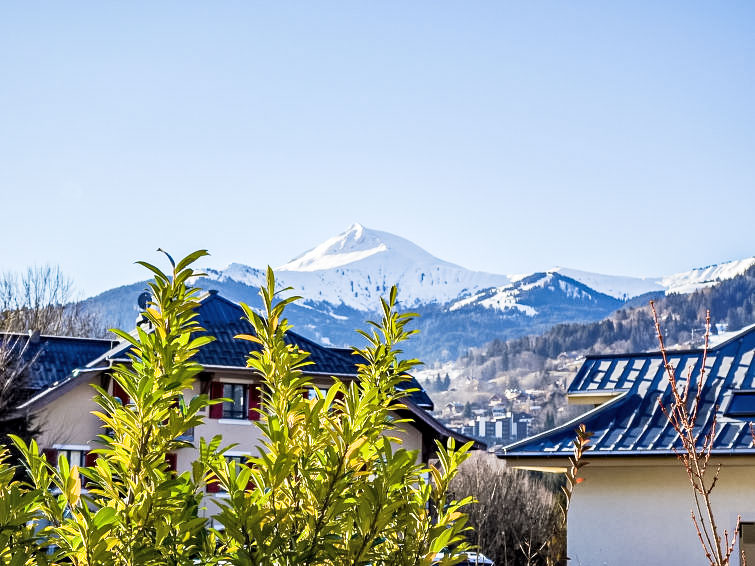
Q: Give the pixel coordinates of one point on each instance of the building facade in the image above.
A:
(634, 504)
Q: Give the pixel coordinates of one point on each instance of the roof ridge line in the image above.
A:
(683, 352)
(60, 337)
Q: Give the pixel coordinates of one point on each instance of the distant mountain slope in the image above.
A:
(731, 302)
(529, 306)
(342, 279)
(615, 285)
(536, 303)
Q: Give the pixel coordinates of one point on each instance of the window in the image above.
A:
(237, 408)
(747, 542)
(310, 393)
(244, 404)
(240, 459)
(76, 455)
(741, 404)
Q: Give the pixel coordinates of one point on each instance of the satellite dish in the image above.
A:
(143, 300)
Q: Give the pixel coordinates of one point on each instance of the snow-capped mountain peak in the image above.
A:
(358, 266)
(358, 243)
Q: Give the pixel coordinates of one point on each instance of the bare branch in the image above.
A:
(681, 413)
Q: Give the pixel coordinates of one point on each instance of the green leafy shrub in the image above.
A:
(330, 486)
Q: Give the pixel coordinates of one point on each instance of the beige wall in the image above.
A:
(411, 438)
(69, 419)
(639, 514)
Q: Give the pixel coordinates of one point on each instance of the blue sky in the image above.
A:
(507, 137)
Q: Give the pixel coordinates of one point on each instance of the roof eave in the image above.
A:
(505, 452)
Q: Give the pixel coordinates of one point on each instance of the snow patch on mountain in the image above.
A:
(689, 281)
(504, 299)
(498, 298)
(617, 286)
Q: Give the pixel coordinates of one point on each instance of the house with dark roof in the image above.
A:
(64, 370)
(634, 504)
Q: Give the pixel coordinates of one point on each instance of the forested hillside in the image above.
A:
(731, 303)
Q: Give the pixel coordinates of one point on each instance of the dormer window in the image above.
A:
(741, 404)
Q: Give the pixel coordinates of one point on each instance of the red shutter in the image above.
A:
(250, 484)
(90, 459)
(172, 460)
(213, 486)
(120, 393)
(255, 402)
(51, 455)
(216, 392)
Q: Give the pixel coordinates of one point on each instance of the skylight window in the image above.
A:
(742, 404)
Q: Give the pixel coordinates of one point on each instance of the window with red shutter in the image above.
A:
(216, 392)
(90, 459)
(213, 487)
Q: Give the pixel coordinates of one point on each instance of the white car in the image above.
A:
(473, 559)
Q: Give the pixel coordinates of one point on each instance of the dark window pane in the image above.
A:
(742, 404)
(237, 408)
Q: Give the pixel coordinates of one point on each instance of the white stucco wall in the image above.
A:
(638, 513)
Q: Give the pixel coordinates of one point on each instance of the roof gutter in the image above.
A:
(55, 388)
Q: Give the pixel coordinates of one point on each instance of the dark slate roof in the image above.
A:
(224, 320)
(632, 422)
(418, 396)
(55, 357)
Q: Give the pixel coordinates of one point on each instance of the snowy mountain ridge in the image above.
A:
(358, 266)
(684, 282)
(343, 279)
